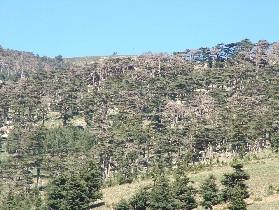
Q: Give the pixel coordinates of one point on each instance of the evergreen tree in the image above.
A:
(184, 193)
(140, 201)
(76, 190)
(68, 192)
(57, 190)
(209, 193)
(236, 190)
(236, 200)
(92, 176)
(161, 195)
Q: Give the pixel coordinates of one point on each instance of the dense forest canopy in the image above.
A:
(129, 113)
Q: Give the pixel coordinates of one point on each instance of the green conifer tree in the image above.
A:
(236, 190)
(209, 192)
(183, 192)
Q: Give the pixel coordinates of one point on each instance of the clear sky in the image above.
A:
(101, 27)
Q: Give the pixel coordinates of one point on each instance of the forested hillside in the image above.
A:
(125, 115)
(16, 64)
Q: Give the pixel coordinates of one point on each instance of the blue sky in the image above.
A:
(91, 27)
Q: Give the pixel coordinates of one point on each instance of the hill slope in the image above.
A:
(131, 113)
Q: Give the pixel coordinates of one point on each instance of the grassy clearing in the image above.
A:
(54, 120)
(113, 195)
(264, 172)
(268, 203)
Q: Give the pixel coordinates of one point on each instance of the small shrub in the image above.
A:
(122, 205)
(270, 190)
(258, 199)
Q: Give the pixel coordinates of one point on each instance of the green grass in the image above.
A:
(264, 171)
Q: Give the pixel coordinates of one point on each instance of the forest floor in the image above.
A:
(263, 183)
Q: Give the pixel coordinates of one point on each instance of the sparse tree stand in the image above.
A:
(236, 190)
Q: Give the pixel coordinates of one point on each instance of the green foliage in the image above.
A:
(184, 193)
(136, 116)
(236, 199)
(68, 192)
(236, 190)
(68, 139)
(161, 195)
(123, 205)
(140, 201)
(209, 192)
(13, 141)
(275, 142)
(23, 201)
(75, 190)
(92, 176)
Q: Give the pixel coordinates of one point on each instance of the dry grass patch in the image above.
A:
(263, 173)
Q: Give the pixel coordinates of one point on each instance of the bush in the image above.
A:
(123, 205)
